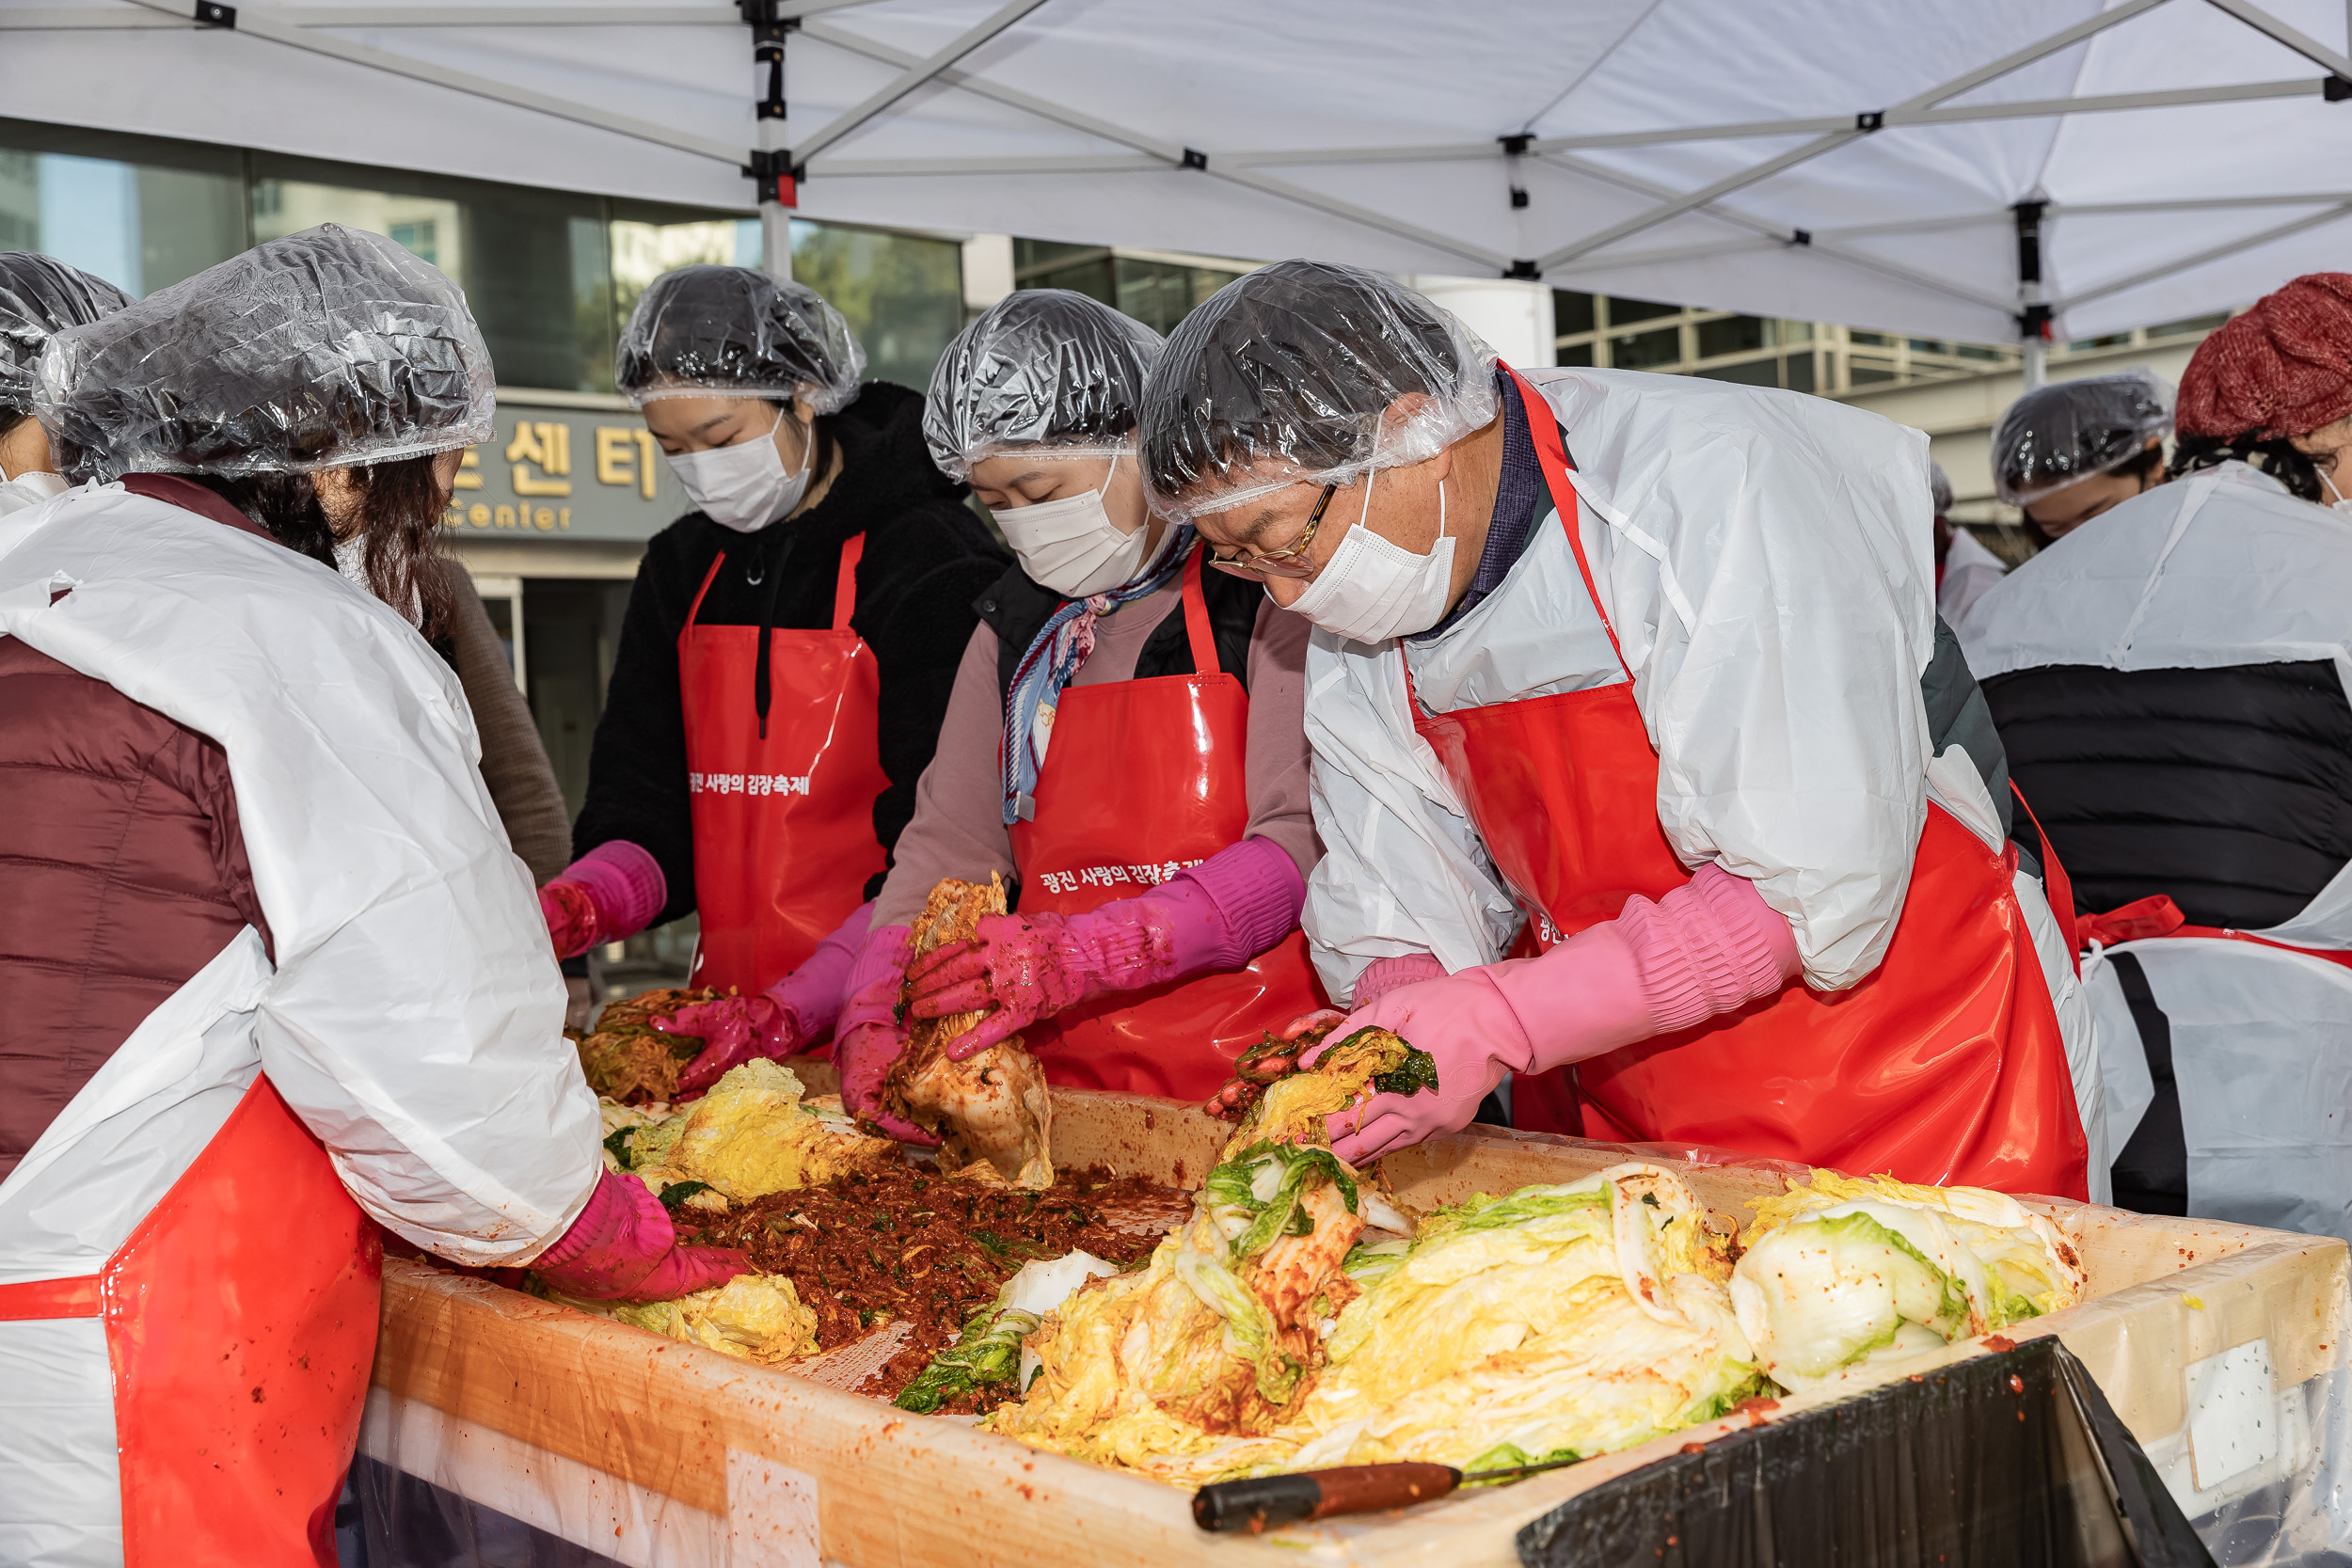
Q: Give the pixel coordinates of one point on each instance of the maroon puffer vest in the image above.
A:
(123, 867)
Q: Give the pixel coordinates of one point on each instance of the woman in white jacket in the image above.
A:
(274, 976)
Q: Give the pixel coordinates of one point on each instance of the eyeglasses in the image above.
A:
(1285, 562)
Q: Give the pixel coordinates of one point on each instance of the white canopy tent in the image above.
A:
(1886, 165)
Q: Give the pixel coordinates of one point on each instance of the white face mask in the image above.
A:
(1372, 590)
(744, 486)
(1072, 545)
(2338, 504)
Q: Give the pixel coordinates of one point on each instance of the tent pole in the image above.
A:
(914, 76)
(2033, 311)
(775, 239)
(1861, 124)
(2183, 264)
(1173, 156)
(771, 164)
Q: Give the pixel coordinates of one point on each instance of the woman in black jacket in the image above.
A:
(788, 647)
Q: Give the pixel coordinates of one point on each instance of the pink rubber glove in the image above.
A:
(1707, 947)
(787, 1018)
(610, 893)
(570, 913)
(870, 1034)
(1383, 975)
(1213, 917)
(733, 1029)
(624, 1249)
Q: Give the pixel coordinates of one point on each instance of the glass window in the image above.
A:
(1754, 372)
(536, 265)
(1876, 339)
(571, 630)
(1160, 294)
(1571, 313)
(1152, 293)
(147, 215)
(1975, 351)
(903, 295)
(1867, 373)
(1732, 335)
(433, 228)
(19, 200)
(1097, 278)
(1624, 310)
(1646, 350)
(1157, 294)
(1801, 372)
(1928, 346)
(2195, 324)
(1794, 332)
(643, 251)
(1577, 354)
(2113, 340)
(1034, 255)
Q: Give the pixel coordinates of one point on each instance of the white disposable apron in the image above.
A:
(2217, 571)
(411, 1020)
(2261, 1054)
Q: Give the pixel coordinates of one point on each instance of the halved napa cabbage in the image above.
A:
(1853, 1271)
(753, 1317)
(1822, 1293)
(751, 1135)
(1582, 1317)
(1294, 1109)
(1506, 1326)
(1220, 1334)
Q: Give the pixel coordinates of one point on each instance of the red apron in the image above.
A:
(1143, 779)
(784, 822)
(1944, 1066)
(241, 1319)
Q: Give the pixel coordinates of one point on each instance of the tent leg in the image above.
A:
(774, 167)
(2033, 316)
(775, 239)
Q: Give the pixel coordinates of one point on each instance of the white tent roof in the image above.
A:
(1843, 160)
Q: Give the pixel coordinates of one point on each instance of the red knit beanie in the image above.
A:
(2285, 368)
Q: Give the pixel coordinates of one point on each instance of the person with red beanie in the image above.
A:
(2171, 685)
(2273, 388)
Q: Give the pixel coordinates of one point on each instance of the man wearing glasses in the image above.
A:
(1649, 784)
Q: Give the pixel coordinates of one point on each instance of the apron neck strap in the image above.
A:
(695, 610)
(845, 583)
(1551, 456)
(1197, 628)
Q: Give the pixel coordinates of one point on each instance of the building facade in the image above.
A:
(551, 515)
(1954, 392)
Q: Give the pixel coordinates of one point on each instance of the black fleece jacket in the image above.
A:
(927, 558)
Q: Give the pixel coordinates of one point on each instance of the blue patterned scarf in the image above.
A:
(1055, 654)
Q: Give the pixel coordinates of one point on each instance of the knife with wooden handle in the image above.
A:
(1263, 1502)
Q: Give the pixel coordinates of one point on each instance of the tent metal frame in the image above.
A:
(779, 165)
